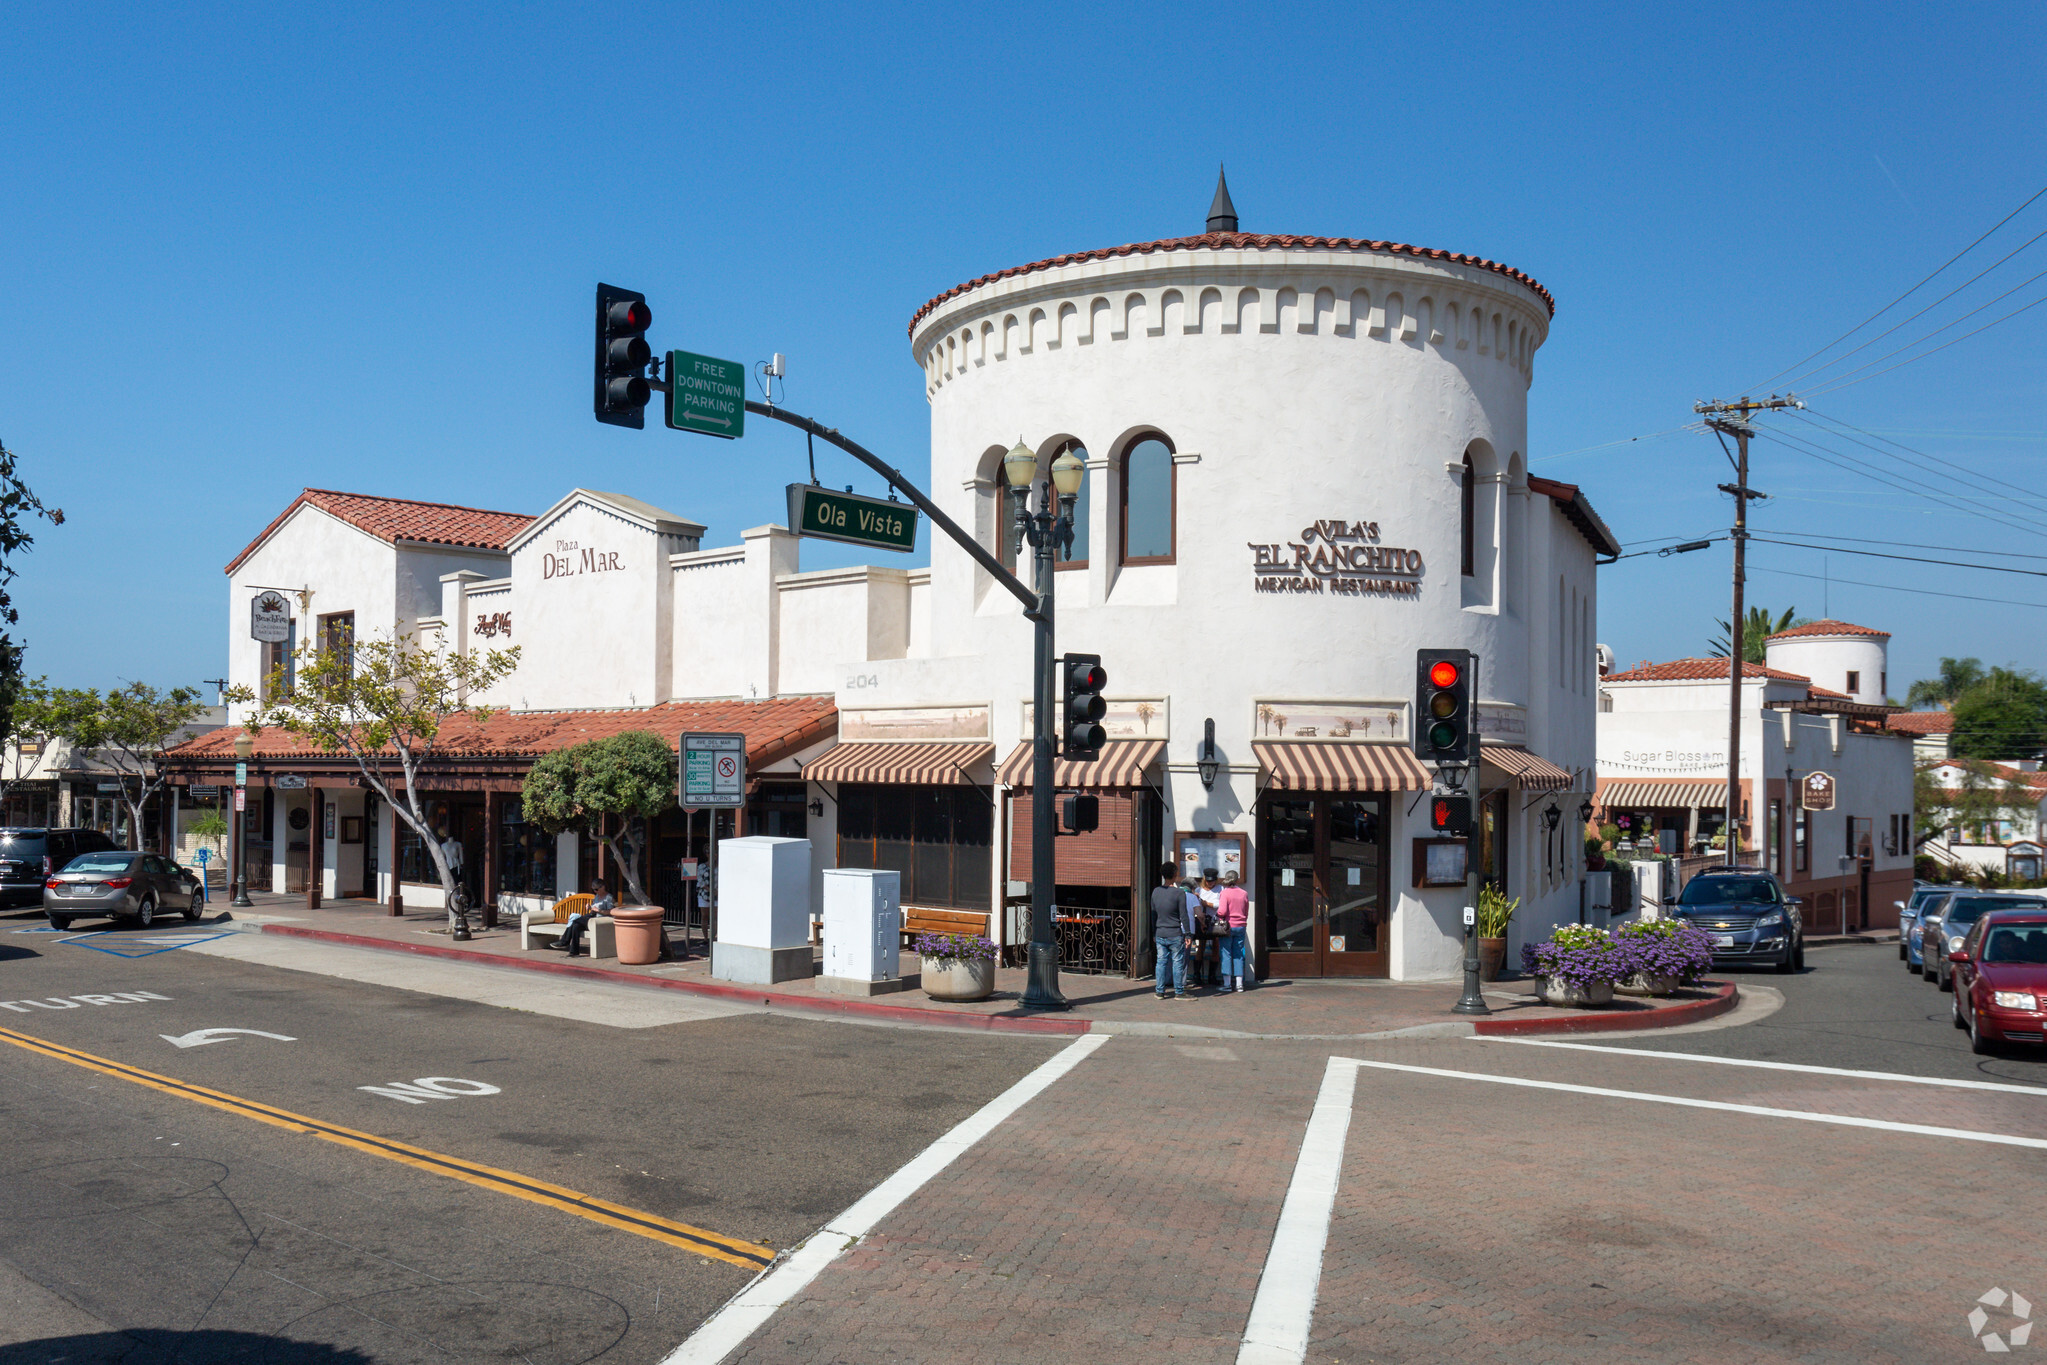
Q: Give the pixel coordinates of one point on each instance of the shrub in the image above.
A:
(956, 947)
(1495, 912)
(1667, 947)
(1579, 955)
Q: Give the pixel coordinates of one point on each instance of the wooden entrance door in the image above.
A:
(1325, 884)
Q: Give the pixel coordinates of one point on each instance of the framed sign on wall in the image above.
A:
(1441, 862)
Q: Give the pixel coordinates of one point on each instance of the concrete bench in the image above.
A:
(544, 928)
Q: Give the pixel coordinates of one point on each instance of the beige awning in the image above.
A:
(1533, 773)
(1661, 793)
(1123, 764)
(937, 764)
(1333, 766)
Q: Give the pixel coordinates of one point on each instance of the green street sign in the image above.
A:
(825, 515)
(706, 395)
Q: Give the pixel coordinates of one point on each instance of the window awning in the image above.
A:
(1123, 764)
(937, 764)
(1533, 773)
(1665, 792)
(1319, 766)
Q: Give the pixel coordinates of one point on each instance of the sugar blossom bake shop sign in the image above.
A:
(1343, 557)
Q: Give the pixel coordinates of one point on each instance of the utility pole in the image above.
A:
(1732, 419)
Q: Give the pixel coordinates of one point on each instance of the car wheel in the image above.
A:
(1955, 1011)
(1903, 956)
(61, 923)
(1790, 962)
(1978, 1044)
(146, 916)
(1799, 964)
(195, 909)
(1927, 970)
(1946, 981)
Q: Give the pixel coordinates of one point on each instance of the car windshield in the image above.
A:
(100, 862)
(1969, 909)
(2025, 943)
(1727, 890)
(23, 843)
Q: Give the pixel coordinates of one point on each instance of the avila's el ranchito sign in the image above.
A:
(1337, 557)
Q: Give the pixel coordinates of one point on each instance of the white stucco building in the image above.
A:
(1306, 459)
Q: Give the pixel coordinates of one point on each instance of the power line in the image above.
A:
(1908, 293)
(1907, 544)
(1844, 380)
(2001, 487)
(1608, 445)
(1988, 485)
(1887, 587)
(1914, 559)
(1826, 455)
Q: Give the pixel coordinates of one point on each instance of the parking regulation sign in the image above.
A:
(713, 771)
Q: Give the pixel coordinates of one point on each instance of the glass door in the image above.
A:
(1325, 873)
(1355, 926)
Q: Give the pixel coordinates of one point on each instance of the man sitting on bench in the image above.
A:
(572, 936)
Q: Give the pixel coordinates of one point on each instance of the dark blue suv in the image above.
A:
(1750, 918)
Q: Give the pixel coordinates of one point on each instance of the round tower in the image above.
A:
(1835, 655)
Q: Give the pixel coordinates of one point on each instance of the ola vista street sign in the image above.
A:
(825, 515)
(706, 395)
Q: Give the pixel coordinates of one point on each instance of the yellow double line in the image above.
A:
(487, 1177)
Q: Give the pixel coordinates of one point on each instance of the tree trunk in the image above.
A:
(628, 866)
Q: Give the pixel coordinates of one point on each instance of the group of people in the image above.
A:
(1188, 914)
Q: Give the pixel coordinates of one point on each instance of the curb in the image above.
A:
(1690, 1012)
(857, 1009)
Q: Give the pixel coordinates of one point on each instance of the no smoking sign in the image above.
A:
(712, 771)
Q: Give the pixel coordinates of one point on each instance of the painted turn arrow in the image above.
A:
(202, 1036)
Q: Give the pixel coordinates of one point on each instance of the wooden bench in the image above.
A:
(542, 928)
(920, 919)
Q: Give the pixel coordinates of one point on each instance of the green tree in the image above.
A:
(1956, 677)
(18, 508)
(2003, 716)
(1758, 625)
(1984, 794)
(128, 729)
(629, 775)
(376, 700)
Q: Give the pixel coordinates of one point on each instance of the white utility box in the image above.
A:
(863, 932)
(763, 911)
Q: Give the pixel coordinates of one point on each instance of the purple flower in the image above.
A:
(956, 947)
(1667, 947)
(1578, 956)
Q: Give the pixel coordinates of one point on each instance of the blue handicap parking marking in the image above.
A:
(42, 929)
(143, 947)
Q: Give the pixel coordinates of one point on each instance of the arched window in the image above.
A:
(1074, 556)
(1468, 534)
(1148, 512)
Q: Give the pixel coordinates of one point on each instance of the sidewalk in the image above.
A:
(1102, 1004)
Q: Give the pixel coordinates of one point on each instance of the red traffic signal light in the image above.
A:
(1444, 673)
(622, 390)
(1082, 706)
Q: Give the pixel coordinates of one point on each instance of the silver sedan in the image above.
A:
(121, 885)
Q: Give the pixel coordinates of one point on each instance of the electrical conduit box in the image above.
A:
(863, 932)
(763, 911)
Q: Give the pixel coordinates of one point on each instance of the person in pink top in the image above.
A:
(1233, 919)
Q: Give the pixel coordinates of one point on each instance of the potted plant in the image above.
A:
(1495, 912)
(957, 967)
(1665, 953)
(1578, 966)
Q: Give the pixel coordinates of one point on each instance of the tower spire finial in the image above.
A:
(1222, 214)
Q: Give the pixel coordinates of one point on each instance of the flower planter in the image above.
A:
(637, 931)
(1557, 991)
(1492, 957)
(1648, 983)
(958, 980)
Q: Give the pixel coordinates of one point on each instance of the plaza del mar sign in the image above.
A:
(1343, 557)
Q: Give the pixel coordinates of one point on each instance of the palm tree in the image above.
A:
(1757, 627)
(1956, 677)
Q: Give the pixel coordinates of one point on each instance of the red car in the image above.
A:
(2000, 977)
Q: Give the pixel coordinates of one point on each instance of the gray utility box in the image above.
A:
(763, 911)
(863, 932)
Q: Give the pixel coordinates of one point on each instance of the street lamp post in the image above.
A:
(244, 747)
(1048, 529)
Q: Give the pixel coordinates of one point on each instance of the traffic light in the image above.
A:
(1442, 705)
(1450, 814)
(622, 356)
(1080, 814)
(1081, 706)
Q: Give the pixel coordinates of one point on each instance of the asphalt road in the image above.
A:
(171, 1230)
(1856, 1006)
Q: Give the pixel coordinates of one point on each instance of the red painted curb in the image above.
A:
(865, 1009)
(1663, 1016)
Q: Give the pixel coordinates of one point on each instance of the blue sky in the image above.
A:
(248, 250)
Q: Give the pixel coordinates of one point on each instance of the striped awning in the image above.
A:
(936, 764)
(1123, 764)
(1662, 792)
(1313, 766)
(1533, 773)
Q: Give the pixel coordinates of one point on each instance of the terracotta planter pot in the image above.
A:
(639, 934)
(958, 981)
(1557, 992)
(1492, 956)
(1643, 983)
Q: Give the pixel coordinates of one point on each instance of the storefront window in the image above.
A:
(526, 854)
(1801, 853)
(939, 838)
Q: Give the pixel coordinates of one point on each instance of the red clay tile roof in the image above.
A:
(1829, 627)
(1922, 722)
(1232, 241)
(394, 519)
(1700, 670)
(772, 728)
(1578, 510)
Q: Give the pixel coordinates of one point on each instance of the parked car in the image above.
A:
(1957, 915)
(1908, 917)
(121, 885)
(1913, 930)
(2000, 975)
(29, 854)
(1748, 915)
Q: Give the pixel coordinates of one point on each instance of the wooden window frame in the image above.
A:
(1123, 556)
